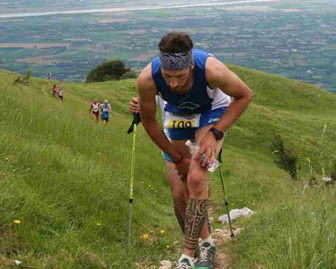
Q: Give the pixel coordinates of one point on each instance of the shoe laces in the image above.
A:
(207, 251)
(184, 264)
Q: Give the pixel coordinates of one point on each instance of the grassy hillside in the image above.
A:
(67, 181)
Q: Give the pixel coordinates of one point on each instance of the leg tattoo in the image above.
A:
(179, 217)
(196, 214)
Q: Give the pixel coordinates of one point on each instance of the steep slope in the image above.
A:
(67, 181)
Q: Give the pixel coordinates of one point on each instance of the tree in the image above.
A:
(108, 71)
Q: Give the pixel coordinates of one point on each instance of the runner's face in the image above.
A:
(176, 80)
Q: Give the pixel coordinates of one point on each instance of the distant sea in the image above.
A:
(290, 38)
(136, 8)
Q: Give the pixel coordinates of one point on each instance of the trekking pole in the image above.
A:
(136, 120)
(225, 201)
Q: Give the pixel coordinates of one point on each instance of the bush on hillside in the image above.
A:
(23, 80)
(130, 74)
(110, 70)
(286, 159)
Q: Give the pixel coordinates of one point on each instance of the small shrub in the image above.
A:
(286, 159)
(23, 80)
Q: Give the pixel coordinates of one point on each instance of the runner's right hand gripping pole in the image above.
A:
(136, 121)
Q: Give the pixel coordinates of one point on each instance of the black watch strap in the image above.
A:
(218, 134)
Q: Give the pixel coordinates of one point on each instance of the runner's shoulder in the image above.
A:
(214, 66)
(216, 71)
(145, 79)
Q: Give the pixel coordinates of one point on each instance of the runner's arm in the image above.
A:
(219, 76)
(146, 89)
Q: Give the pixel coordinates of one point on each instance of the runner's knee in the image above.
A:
(179, 198)
(196, 181)
(178, 193)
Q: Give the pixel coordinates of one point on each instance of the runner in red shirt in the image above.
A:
(54, 89)
(94, 110)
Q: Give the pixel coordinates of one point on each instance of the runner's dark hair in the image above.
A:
(175, 42)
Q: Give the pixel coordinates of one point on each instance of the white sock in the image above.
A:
(191, 259)
(208, 240)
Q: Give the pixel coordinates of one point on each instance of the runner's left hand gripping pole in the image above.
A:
(132, 128)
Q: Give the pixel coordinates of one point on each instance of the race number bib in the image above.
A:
(174, 121)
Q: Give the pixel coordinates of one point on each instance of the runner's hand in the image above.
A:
(183, 168)
(133, 105)
(208, 150)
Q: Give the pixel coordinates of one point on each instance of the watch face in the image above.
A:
(219, 135)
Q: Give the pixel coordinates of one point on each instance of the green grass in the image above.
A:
(67, 181)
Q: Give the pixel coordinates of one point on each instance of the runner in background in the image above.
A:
(49, 76)
(94, 110)
(60, 94)
(54, 90)
(105, 110)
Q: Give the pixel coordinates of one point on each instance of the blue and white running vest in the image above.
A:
(199, 98)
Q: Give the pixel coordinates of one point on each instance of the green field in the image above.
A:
(67, 181)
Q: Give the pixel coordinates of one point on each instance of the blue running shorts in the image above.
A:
(210, 117)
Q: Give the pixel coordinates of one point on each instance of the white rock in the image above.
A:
(326, 179)
(235, 214)
(165, 264)
(17, 262)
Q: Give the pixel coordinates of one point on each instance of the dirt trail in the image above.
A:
(222, 238)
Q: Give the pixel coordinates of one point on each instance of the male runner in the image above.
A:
(105, 110)
(179, 188)
(196, 87)
(60, 94)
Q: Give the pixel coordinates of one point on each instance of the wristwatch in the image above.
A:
(218, 134)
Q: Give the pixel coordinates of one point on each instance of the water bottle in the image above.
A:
(193, 148)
